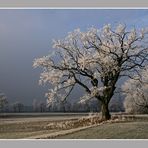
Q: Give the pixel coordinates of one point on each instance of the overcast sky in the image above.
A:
(27, 34)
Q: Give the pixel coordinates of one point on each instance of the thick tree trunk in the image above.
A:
(105, 111)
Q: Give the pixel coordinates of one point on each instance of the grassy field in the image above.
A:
(16, 126)
(125, 130)
(23, 129)
(25, 126)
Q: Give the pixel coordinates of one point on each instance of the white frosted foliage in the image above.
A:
(136, 91)
(93, 59)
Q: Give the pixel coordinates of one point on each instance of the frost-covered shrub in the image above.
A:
(136, 92)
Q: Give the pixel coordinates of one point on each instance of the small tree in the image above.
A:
(42, 106)
(136, 91)
(18, 107)
(35, 105)
(95, 60)
(3, 101)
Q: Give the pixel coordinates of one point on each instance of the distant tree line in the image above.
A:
(40, 106)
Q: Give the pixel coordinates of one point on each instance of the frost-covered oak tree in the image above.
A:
(94, 60)
(136, 91)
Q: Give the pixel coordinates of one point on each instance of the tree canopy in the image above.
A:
(95, 60)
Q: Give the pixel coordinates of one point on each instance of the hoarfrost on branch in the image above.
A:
(94, 60)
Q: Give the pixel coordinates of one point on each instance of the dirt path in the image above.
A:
(60, 133)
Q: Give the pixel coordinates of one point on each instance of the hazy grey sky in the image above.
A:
(27, 34)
